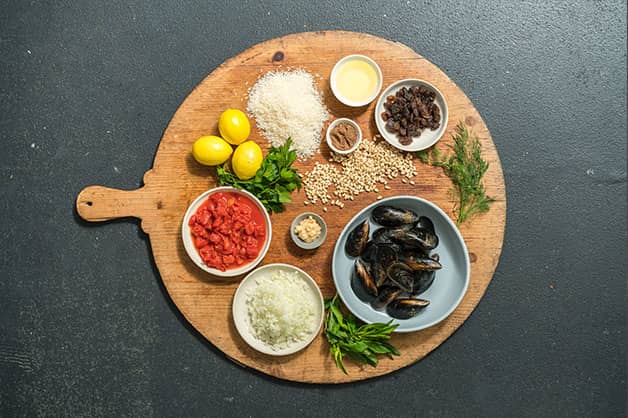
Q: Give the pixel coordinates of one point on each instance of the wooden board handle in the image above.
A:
(98, 203)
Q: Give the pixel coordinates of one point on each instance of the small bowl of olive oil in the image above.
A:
(356, 80)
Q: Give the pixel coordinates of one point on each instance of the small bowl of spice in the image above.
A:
(308, 230)
(344, 136)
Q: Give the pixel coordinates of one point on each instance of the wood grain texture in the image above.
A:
(176, 179)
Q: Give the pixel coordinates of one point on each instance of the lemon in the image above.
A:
(211, 150)
(234, 126)
(247, 159)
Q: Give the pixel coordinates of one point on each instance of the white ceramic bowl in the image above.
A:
(334, 87)
(193, 252)
(240, 309)
(428, 137)
(357, 142)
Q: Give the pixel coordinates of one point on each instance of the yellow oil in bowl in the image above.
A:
(357, 81)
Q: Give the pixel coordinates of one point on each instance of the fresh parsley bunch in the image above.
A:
(362, 343)
(274, 181)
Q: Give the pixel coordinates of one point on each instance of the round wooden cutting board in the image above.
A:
(176, 179)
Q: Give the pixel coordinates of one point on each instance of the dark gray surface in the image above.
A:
(86, 91)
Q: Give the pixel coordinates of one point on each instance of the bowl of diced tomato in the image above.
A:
(226, 231)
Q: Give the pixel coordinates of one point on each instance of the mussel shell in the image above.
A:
(386, 295)
(416, 238)
(426, 223)
(362, 283)
(386, 254)
(435, 256)
(422, 281)
(429, 238)
(422, 263)
(401, 275)
(357, 239)
(382, 235)
(369, 252)
(406, 308)
(379, 274)
(412, 253)
(377, 257)
(393, 216)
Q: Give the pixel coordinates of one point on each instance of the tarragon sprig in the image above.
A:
(362, 343)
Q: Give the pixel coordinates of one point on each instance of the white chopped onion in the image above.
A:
(281, 309)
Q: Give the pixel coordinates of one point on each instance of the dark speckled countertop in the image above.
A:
(87, 89)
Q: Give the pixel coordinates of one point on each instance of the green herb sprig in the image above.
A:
(465, 167)
(362, 343)
(273, 182)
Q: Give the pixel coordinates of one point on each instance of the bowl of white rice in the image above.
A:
(278, 309)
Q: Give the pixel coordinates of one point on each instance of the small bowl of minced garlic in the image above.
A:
(308, 230)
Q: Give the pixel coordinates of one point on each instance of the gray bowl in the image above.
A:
(449, 285)
(318, 241)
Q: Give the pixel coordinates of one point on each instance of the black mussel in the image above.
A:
(383, 235)
(380, 236)
(426, 223)
(411, 253)
(386, 295)
(435, 257)
(406, 308)
(370, 250)
(422, 281)
(386, 254)
(379, 274)
(429, 238)
(392, 216)
(357, 239)
(416, 238)
(363, 284)
(422, 263)
(401, 275)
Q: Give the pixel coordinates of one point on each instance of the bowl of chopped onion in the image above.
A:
(278, 309)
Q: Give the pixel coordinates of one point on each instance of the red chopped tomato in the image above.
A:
(204, 218)
(228, 230)
(199, 231)
(200, 242)
(206, 252)
(227, 247)
(252, 252)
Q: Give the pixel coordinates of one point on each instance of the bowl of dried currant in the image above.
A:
(411, 114)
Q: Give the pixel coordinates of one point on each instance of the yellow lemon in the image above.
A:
(247, 159)
(234, 126)
(211, 150)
